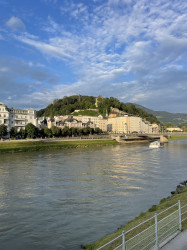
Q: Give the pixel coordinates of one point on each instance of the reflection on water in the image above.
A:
(63, 199)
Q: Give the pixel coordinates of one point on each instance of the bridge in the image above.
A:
(141, 137)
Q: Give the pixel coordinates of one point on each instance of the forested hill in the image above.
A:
(68, 105)
(166, 117)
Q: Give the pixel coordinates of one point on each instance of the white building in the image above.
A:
(18, 118)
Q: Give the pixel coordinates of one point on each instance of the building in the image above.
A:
(129, 124)
(155, 128)
(174, 129)
(103, 124)
(86, 119)
(18, 118)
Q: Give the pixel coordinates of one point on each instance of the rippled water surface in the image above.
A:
(62, 199)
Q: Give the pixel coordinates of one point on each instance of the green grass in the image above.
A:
(46, 145)
(176, 137)
(164, 203)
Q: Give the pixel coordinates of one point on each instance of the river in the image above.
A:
(62, 199)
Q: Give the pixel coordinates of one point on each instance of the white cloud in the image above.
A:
(128, 51)
(4, 69)
(46, 48)
(15, 24)
(77, 11)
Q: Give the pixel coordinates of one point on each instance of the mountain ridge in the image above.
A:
(164, 116)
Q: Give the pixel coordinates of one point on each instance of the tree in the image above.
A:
(98, 131)
(65, 131)
(170, 124)
(13, 132)
(22, 133)
(47, 132)
(3, 130)
(31, 130)
(55, 131)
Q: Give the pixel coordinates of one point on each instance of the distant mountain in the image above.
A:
(92, 105)
(165, 117)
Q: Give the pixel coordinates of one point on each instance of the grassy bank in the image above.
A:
(48, 145)
(176, 137)
(164, 203)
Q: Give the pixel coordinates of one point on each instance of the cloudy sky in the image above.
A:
(134, 50)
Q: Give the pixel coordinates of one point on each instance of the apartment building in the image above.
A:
(129, 124)
(94, 119)
(103, 124)
(118, 124)
(18, 118)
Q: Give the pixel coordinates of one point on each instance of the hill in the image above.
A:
(87, 105)
(166, 117)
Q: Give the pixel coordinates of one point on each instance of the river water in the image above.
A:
(62, 199)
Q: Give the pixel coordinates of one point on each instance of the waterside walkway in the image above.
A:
(178, 243)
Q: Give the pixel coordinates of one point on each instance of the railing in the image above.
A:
(154, 232)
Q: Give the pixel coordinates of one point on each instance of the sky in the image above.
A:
(133, 50)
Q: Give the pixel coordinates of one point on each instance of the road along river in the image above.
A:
(62, 199)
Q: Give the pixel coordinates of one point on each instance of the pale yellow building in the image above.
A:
(129, 124)
(155, 128)
(103, 124)
(86, 119)
(119, 124)
(174, 129)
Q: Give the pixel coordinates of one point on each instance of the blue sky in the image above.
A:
(134, 50)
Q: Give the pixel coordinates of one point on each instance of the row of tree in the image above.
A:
(32, 131)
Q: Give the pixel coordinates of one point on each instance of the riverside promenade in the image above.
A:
(177, 243)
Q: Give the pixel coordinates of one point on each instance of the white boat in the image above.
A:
(156, 144)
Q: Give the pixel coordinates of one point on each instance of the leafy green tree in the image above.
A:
(3, 130)
(13, 132)
(98, 131)
(47, 132)
(79, 132)
(169, 124)
(22, 133)
(73, 131)
(184, 128)
(65, 132)
(55, 131)
(31, 130)
(86, 131)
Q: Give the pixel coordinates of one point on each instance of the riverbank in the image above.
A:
(181, 194)
(177, 137)
(35, 145)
